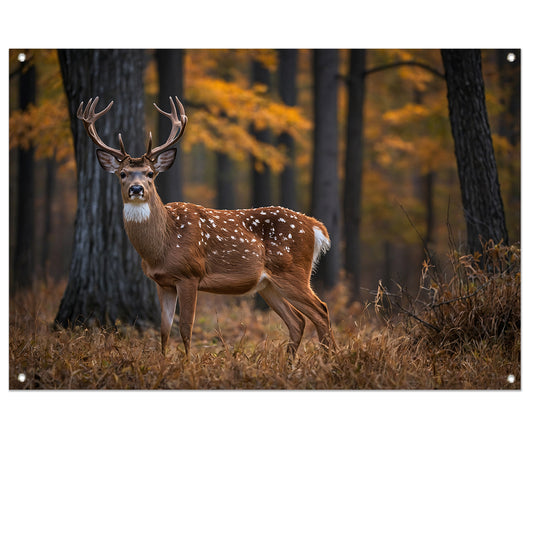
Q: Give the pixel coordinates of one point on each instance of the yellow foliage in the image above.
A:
(44, 126)
(407, 114)
(223, 112)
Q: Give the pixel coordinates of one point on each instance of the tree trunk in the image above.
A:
(24, 261)
(170, 68)
(325, 203)
(106, 283)
(47, 226)
(261, 189)
(476, 164)
(288, 65)
(354, 172)
(224, 182)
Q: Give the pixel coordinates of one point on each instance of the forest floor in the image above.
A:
(474, 344)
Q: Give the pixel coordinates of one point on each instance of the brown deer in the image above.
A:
(186, 248)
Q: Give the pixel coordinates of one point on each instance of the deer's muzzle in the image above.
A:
(136, 191)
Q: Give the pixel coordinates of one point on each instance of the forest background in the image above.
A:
(340, 463)
(248, 131)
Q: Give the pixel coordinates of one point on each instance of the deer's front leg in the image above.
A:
(187, 292)
(167, 300)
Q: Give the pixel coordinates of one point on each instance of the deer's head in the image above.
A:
(136, 174)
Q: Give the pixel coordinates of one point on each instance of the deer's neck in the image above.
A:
(146, 224)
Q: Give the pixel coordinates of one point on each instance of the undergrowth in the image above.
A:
(461, 331)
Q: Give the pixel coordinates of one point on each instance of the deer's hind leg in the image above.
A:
(294, 320)
(299, 294)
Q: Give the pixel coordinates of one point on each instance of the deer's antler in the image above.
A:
(89, 117)
(178, 127)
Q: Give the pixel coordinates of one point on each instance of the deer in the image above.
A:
(186, 248)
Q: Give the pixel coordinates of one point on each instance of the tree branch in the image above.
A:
(405, 64)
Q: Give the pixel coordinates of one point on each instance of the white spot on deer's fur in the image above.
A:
(219, 237)
(281, 219)
(293, 226)
(263, 213)
(301, 231)
(289, 236)
(136, 212)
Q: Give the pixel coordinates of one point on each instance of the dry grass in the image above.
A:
(466, 335)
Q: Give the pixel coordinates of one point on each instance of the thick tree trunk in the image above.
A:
(106, 283)
(354, 171)
(476, 164)
(24, 261)
(170, 68)
(325, 191)
(288, 64)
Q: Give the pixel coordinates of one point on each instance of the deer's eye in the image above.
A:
(122, 174)
(150, 174)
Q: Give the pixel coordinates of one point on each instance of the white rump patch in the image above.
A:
(136, 212)
(322, 245)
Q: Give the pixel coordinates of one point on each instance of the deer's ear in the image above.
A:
(165, 160)
(108, 162)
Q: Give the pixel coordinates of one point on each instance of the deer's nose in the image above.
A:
(136, 190)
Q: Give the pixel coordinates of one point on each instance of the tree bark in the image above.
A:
(106, 283)
(354, 171)
(24, 261)
(170, 68)
(288, 65)
(325, 203)
(476, 164)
